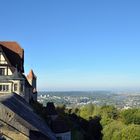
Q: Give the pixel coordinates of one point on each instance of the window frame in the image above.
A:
(4, 88)
(2, 71)
(15, 87)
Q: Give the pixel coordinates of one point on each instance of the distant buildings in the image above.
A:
(12, 78)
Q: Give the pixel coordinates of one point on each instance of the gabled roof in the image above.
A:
(24, 115)
(17, 75)
(13, 46)
(14, 53)
(31, 75)
(27, 84)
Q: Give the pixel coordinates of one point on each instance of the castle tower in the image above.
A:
(31, 77)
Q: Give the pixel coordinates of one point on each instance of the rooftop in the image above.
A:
(13, 46)
(31, 75)
(24, 114)
(14, 54)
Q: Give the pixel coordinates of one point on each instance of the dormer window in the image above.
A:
(2, 71)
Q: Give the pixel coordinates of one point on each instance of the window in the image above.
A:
(0, 87)
(4, 88)
(21, 87)
(2, 71)
(15, 87)
(7, 87)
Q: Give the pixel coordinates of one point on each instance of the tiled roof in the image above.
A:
(24, 115)
(13, 46)
(27, 84)
(14, 53)
(31, 75)
(17, 75)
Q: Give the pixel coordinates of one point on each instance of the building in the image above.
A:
(57, 123)
(18, 121)
(12, 78)
(17, 118)
(31, 77)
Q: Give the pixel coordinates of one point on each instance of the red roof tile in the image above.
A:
(14, 53)
(13, 46)
(31, 75)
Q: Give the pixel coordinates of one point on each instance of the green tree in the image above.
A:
(108, 114)
(113, 130)
(130, 116)
(131, 132)
(86, 111)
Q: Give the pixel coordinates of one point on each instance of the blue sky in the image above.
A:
(76, 44)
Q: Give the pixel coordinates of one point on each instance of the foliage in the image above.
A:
(116, 123)
(112, 131)
(61, 109)
(109, 112)
(86, 111)
(131, 132)
(95, 123)
(118, 131)
(130, 116)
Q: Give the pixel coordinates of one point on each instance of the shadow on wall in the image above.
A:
(35, 135)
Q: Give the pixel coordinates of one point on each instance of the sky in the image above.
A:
(76, 44)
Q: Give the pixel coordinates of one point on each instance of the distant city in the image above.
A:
(121, 100)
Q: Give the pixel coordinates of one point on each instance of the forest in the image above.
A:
(92, 122)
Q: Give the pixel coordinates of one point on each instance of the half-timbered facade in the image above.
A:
(12, 78)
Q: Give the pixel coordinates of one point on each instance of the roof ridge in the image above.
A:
(31, 75)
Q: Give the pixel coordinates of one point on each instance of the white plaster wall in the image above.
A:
(5, 62)
(9, 71)
(3, 59)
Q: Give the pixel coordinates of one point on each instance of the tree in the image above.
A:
(131, 132)
(113, 130)
(87, 111)
(61, 109)
(130, 116)
(108, 114)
